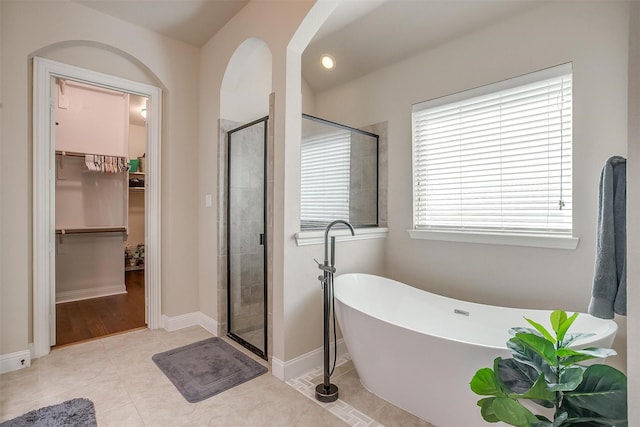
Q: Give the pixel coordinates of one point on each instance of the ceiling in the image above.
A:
(395, 30)
(191, 21)
(362, 36)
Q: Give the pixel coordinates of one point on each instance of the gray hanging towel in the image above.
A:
(609, 293)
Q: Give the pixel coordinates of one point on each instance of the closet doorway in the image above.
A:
(100, 218)
(100, 141)
(246, 236)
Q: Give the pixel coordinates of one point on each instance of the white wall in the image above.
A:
(308, 99)
(273, 23)
(71, 33)
(633, 210)
(244, 94)
(592, 35)
(297, 299)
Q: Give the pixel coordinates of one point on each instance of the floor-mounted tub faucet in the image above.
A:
(327, 392)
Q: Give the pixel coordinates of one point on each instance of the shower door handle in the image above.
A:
(262, 239)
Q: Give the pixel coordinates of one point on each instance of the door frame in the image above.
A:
(262, 352)
(45, 72)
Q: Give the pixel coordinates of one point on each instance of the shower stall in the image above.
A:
(246, 236)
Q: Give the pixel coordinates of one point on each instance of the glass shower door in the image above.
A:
(246, 236)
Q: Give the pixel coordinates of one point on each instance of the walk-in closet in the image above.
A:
(100, 139)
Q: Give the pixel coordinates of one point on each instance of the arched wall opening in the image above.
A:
(246, 85)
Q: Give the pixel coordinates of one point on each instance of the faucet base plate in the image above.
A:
(326, 396)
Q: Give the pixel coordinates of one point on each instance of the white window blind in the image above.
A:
(324, 179)
(497, 158)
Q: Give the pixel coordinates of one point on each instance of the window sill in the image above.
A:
(305, 238)
(529, 240)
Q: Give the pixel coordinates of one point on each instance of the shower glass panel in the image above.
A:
(246, 236)
(338, 175)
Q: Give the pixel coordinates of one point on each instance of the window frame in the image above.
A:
(524, 237)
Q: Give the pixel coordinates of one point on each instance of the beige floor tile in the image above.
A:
(126, 415)
(128, 389)
(12, 410)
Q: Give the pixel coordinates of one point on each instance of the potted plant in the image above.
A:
(545, 371)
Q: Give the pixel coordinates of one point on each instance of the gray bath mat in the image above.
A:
(206, 368)
(72, 413)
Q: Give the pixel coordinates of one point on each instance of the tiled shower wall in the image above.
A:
(380, 129)
(246, 304)
(362, 188)
(247, 197)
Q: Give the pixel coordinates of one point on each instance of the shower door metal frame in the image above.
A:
(263, 239)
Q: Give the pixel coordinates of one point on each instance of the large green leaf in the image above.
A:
(522, 329)
(560, 418)
(517, 376)
(484, 383)
(564, 325)
(558, 317)
(570, 338)
(541, 346)
(602, 394)
(525, 354)
(561, 323)
(569, 379)
(539, 392)
(486, 409)
(595, 422)
(570, 356)
(520, 378)
(512, 412)
(546, 334)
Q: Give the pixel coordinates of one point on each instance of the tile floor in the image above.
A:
(356, 406)
(127, 388)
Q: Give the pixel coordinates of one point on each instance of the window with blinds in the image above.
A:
(496, 159)
(324, 179)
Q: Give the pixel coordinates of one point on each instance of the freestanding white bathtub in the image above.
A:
(419, 350)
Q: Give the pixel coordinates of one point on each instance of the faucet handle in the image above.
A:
(317, 262)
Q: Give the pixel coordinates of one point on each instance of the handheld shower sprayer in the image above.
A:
(327, 392)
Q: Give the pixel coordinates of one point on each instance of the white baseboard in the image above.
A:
(208, 323)
(80, 294)
(14, 361)
(304, 363)
(197, 318)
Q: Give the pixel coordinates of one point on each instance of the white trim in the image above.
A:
(297, 366)
(277, 368)
(208, 323)
(529, 240)
(14, 361)
(44, 72)
(80, 294)
(196, 318)
(304, 238)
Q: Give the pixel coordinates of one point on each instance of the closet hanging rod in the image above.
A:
(65, 231)
(76, 154)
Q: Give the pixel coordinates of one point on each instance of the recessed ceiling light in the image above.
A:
(328, 62)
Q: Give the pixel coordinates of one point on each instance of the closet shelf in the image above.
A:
(86, 230)
(141, 189)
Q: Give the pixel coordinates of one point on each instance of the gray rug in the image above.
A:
(72, 413)
(206, 368)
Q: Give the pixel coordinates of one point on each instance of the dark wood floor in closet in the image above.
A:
(96, 317)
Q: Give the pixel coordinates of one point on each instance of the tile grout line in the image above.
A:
(339, 408)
